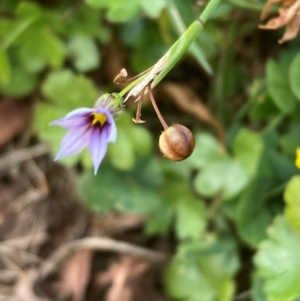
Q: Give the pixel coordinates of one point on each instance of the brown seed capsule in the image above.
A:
(177, 142)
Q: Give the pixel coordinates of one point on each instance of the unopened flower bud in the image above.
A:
(112, 102)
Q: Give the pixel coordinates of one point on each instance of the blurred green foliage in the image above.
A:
(220, 201)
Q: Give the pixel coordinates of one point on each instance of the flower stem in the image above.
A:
(161, 119)
(179, 48)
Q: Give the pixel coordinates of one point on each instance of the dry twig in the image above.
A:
(53, 263)
(18, 156)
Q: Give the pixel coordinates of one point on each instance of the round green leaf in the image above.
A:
(21, 82)
(141, 139)
(279, 88)
(208, 151)
(153, 8)
(292, 199)
(228, 177)
(112, 189)
(248, 148)
(84, 52)
(69, 90)
(253, 215)
(278, 261)
(121, 153)
(191, 217)
(186, 281)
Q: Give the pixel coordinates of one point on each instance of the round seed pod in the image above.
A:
(176, 142)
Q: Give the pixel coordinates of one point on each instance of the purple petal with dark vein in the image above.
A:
(71, 122)
(98, 146)
(111, 124)
(74, 142)
(80, 112)
(70, 119)
(112, 129)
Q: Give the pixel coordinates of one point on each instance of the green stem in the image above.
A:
(274, 123)
(179, 48)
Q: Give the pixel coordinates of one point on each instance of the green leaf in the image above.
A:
(9, 5)
(191, 217)
(257, 292)
(86, 21)
(140, 138)
(244, 4)
(99, 3)
(14, 29)
(83, 50)
(5, 70)
(253, 216)
(121, 11)
(160, 219)
(130, 191)
(179, 200)
(208, 152)
(195, 271)
(27, 8)
(153, 8)
(132, 140)
(21, 82)
(186, 281)
(248, 148)
(279, 88)
(218, 172)
(69, 90)
(291, 139)
(278, 261)
(148, 46)
(262, 105)
(50, 52)
(282, 168)
(228, 177)
(294, 75)
(292, 199)
(121, 153)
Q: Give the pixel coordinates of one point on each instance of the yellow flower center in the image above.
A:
(297, 162)
(98, 118)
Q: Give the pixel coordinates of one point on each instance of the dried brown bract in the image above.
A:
(289, 16)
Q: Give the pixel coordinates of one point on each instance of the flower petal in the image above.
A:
(112, 129)
(71, 122)
(80, 112)
(74, 142)
(98, 145)
(78, 117)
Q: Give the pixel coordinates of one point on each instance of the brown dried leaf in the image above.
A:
(289, 15)
(266, 11)
(121, 77)
(292, 29)
(276, 23)
(131, 281)
(76, 274)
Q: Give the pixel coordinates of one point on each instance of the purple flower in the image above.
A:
(93, 128)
